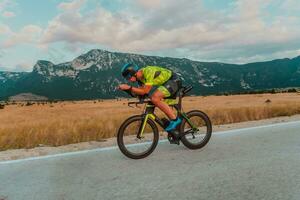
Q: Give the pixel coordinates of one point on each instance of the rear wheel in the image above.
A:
(128, 141)
(197, 131)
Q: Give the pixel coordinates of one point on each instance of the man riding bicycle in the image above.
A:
(158, 83)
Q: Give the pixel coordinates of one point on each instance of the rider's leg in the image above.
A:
(157, 100)
(166, 90)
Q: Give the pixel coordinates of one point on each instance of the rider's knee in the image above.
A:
(155, 99)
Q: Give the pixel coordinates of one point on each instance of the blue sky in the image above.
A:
(231, 31)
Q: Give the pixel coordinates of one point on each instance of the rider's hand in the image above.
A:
(124, 87)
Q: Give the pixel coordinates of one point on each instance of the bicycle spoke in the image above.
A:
(133, 143)
(189, 131)
(196, 133)
(193, 135)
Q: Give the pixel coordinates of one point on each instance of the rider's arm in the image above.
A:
(141, 90)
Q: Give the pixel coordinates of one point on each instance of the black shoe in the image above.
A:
(173, 137)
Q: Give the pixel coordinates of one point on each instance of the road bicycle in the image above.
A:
(138, 135)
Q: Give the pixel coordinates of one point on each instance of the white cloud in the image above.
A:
(7, 4)
(168, 26)
(23, 67)
(8, 14)
(125, 31)
(72, 5)
(174, 28)
(4, 29)
(98, 26)
(291, 5)
(3, 4)
(146, 4)
(28, 34)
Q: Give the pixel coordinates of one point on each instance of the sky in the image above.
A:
(230, 31)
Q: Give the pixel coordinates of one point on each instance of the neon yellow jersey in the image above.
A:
(154, 75)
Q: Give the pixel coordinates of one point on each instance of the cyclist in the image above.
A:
(158, 83)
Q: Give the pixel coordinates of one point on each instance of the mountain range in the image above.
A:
(96, 74)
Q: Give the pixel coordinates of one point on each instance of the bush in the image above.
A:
(29, 103)
(268, 101)
(292, 90)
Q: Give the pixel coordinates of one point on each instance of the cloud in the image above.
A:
(238, 32)
(98, 26)
(291, 5)
(3, 4)
(2, 53)
(7, 4)
(146, 4)
(21, 67)
(124, 31)
(8, 14)
(28, 34)
(4, 29)
(72, 5)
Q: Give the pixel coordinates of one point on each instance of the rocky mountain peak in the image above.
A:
(48, 69)
(100, 58)
(42, 66)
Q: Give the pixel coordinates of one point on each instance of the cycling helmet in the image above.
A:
(129, 70)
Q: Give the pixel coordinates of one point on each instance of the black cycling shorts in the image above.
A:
(169, 88)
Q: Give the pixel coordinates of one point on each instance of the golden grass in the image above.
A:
(69, 122)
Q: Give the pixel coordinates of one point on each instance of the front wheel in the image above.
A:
(129, 142)
(196, 130)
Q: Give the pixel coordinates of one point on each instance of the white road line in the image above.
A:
(256, 127)
(229, 132)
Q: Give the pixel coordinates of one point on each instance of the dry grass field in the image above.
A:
(71, 122)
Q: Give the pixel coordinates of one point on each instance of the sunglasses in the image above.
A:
(130, 76)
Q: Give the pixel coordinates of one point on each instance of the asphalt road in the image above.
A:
(257, 163)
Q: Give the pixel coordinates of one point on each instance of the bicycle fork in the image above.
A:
(143, 125)
(148, 114)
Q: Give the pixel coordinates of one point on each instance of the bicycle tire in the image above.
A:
(208, 133)
(120, 137)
